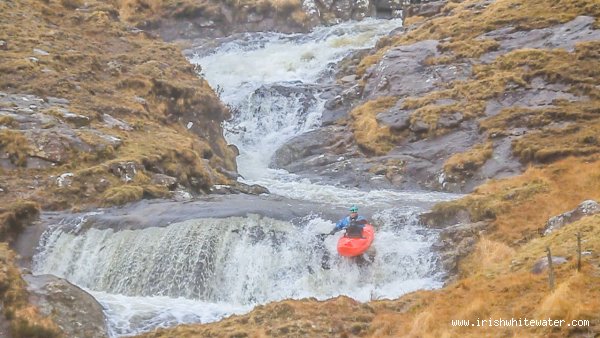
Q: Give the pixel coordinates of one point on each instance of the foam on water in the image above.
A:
(201, 270)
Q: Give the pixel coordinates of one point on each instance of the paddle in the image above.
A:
(322, 237)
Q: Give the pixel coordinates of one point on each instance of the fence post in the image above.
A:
(550, 269)
(578, 251)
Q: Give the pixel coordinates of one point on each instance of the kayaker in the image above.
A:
(353, 224)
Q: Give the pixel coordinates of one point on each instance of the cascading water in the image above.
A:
(203, 269)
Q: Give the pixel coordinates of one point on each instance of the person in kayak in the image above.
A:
(353, 224)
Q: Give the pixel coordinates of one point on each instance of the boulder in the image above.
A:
(450, 120)
(542, 264)
(396, 118)
(164, 180)
(55, 145)
(75, 311)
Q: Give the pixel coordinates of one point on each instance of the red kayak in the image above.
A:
(350, 247)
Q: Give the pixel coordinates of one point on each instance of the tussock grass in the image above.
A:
(497, 283)
(103, 68)
(8, 121)
(15, 145)
(488, 257)
(122, 195)
(521, 205)
(471, 160)
(370, 136)
(14, 217)
(25, 320)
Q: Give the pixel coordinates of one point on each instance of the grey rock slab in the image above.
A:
(403, 72)
(586, 208)
(564, 36)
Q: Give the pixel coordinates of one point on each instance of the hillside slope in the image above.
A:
(94, 112)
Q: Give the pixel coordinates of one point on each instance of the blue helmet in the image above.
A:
(354, 208)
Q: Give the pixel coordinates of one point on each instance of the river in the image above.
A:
(205, 266)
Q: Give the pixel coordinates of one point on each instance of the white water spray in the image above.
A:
(271, 82)
(201, 270)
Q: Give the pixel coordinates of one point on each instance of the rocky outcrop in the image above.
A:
(424, 143)
(92, 123)
(211, 19)
(455, 243)
(75, 311)
(586, 208)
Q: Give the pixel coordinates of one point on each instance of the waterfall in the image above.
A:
(155, 276)
(202, 269)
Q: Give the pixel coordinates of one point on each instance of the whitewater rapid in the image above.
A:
(202, 269)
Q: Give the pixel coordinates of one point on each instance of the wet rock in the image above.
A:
(441, 220)
(253, 189)
(75, 311)
(164, 180)
(542, 264)
(403, 72)
(388, 9)
(397, 119)
(342, 9)
(586, 208)
(293, 155)
(361, 10)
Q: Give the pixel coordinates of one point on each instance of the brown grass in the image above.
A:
(369, 135)
(14, 217)
(25, 320)
(465, 22)
(100, 67)
(521, 205)
(461, 165)
(16, 145)
(8, 121)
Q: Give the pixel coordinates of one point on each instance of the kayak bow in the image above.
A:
(350, 247)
